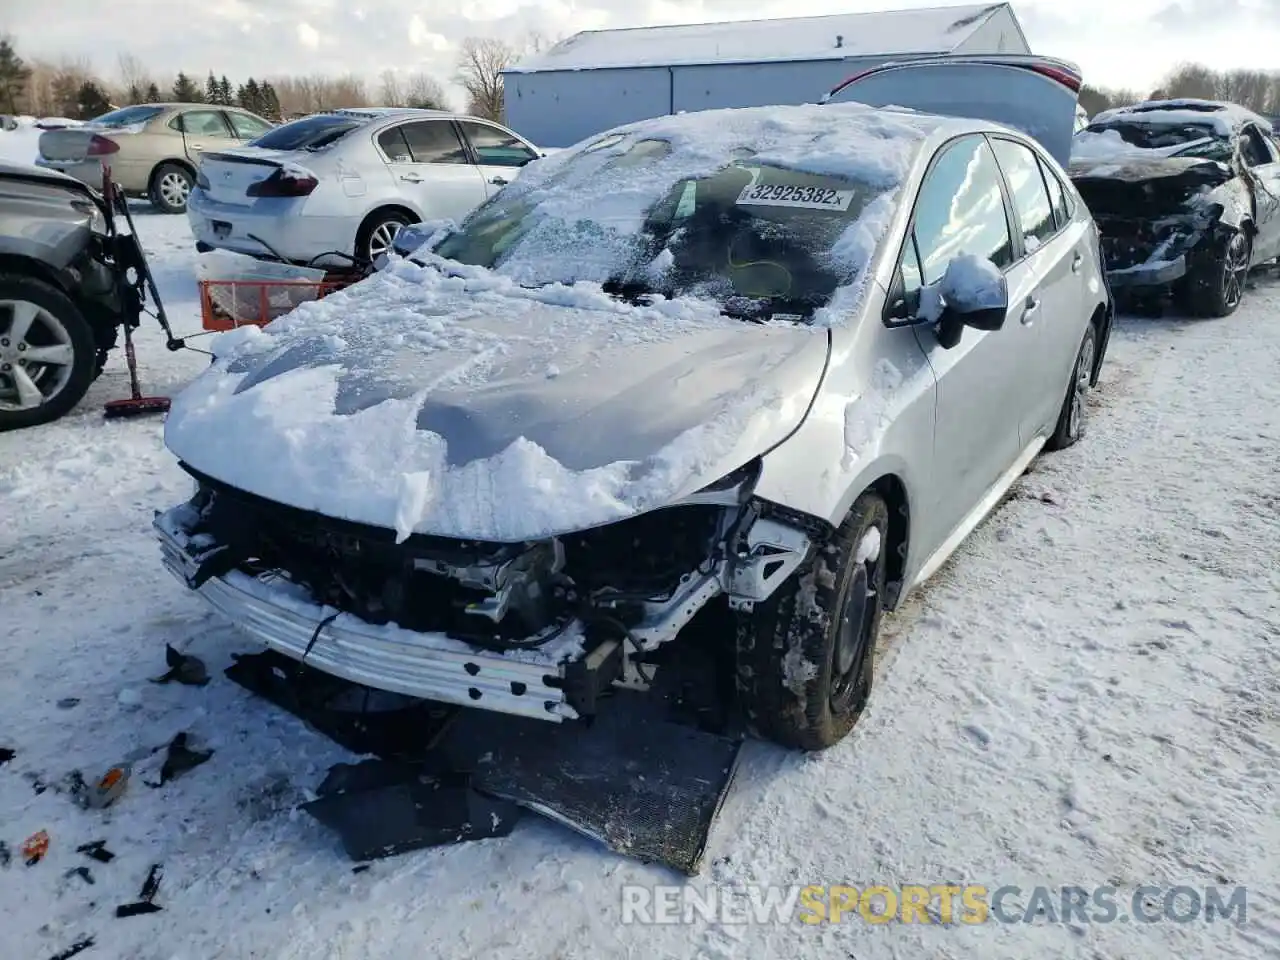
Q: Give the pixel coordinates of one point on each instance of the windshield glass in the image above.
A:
(1172, 139)
(309, 133)
(761, 239)
(127, 116)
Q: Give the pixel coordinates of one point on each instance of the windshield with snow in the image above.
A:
(759, 239)
(1178, 139)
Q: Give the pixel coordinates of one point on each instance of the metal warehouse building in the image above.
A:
(598, 79)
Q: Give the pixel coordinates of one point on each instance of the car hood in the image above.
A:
(467, 407)
(1142, 169)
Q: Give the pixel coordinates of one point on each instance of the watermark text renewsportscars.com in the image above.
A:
(959, 904)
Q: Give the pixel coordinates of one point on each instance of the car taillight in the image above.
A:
(1068, 79)
(281, 184)
(101, 146)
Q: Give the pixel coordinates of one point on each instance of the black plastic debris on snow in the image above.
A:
(362, 720)
(6, 755)
(644, 786)
(380, 808)
(179, 758)
(647, 777)
(184, 668)
(80, 946)
(97, 850)
(146, 896)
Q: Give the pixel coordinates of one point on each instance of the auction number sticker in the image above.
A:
(786, 195)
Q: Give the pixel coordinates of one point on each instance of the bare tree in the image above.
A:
(134, 78)
(1193, 80)
(480, 65)
(424, 92)
(390, 93)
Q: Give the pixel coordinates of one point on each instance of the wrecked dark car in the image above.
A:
(68, 281)
(1186, 194)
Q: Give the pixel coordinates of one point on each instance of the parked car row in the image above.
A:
(767, 365)
(339, 182)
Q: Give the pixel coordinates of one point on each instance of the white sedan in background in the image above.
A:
(344, 182)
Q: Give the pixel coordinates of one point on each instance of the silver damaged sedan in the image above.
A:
(768, 365)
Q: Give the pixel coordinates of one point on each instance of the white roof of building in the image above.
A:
(837, 37)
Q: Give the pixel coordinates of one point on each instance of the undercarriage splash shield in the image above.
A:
(646, 787)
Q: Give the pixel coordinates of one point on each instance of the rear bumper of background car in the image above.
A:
(1150, 274)
(281, 616)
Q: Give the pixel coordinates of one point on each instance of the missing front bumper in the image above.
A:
(279, 615)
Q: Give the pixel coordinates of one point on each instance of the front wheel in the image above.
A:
(806, 655)
(1216, 277)
(47, 353)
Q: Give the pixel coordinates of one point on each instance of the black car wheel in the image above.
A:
(1216, 278)
(47, 352)
(805, 656)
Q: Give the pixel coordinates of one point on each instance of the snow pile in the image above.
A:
(423, 401)
(584, 207)
(21, 145)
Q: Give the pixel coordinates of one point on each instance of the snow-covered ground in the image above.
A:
(1089, 694)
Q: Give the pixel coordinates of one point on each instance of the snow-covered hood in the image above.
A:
(471, 408)
(1142, 167)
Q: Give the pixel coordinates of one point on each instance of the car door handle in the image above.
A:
(499, 182)
(1029, 313)
(410, 178)
(1076, 261)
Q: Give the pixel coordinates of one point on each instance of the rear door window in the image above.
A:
(247, 126)
(960, 209)
(202, 123)
(1057, 196)
(432, 141)
(497, 148)
(1026, 185)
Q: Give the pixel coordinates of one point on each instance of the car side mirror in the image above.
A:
(971, 293)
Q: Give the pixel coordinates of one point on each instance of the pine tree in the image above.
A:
(184, 91)
(211, 89)
(270, 103)
(224, 91)
(91, 101)
(134, 95)
(14, 75)
(251, 95)
(153, 94)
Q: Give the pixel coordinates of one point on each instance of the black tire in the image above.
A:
(1214, 285)
(797, 631)
(1073, 418)
(15, 287)
(376, 221)
(162, 197)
